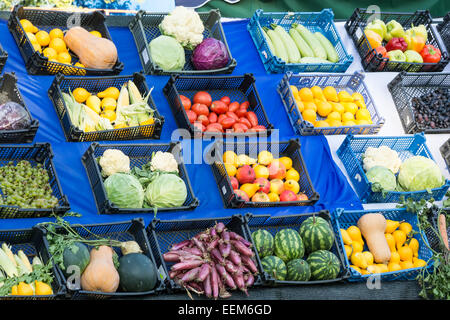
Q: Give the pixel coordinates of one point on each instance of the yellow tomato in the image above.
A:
(43, 38)
(306, 94)
(56, 33)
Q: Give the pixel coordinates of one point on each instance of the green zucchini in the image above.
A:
(313, 60)
(269, 42)
(280, 50)
(289, 44)
(311, 40)
(302, 46)
(328, 46)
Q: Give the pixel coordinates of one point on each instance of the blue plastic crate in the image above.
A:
(352, 150)
(345, 219)
(315, 21)
(350, 82)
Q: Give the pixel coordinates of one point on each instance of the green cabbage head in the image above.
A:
(420, 173)
(167, 53)
(166, 191)
(124, 190)
(382, 179)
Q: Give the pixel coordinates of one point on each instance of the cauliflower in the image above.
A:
(184, 25)
(164, 161)
(114, 161)
(382, 156)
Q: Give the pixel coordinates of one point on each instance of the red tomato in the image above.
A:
(233, 106)
(257, 128)
(239, 127)
(212, 117)
(244, 104)
(226, 100)
(221, 117)
(219, 107)
(241, 112)
(199, 126)
(192, 116)
(199, 109)
(202, 97)
(227, 122)
(186, 102)
(203, 119)
(251, 116)
(245, 121)
(233, 115)
(214, 127)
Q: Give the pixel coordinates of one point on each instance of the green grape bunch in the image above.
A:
(26, 186)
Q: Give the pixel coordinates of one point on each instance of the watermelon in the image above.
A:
(324, 265)
(288, 245)
(316, 234)
(275, 267)
(263, 241)
(298, 270)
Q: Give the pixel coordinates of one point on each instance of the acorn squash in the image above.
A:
(76, 255)
(137, 273)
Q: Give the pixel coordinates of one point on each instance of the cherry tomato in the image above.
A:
(199, 109)
(199, 126)
(233, 106)
(241, 112)
(186, 102)
(227, 122)
(202, 97)
(214, 127)
(203, 119)
(251, 116)
(244, 104)
(245, 121)
(232, 115)
(239, 127)
(192, 116)
(212, 117)
(219, 107)
(226, 100)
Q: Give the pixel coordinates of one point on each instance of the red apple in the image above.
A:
(302, 197)
(288, 195)
(234, 183)
(264, 184)
(245, 174)
(260, 197)
(242, 194)
(277, 170)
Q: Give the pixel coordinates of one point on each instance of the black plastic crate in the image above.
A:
(133, 230)
(30, 241)
(145, 28)
(289, 148)
(8, 85)
(406, 86)
(139, 155)
(445, 151)
(3, 58)
(38, 153)
(162, 234)
(35, 62)
(277, 223)
(444, 30)
(238, 88)
(62, 84)
(372, 61)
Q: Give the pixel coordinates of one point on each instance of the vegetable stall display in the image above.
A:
(111, 259)
(182, 41)
(50, 45)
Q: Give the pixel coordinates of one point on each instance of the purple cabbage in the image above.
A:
(210, 54)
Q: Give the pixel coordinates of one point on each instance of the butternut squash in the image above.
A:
(372, 226)
(93, 52)
(100, 275)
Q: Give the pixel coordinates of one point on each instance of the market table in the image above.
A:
(328, 176)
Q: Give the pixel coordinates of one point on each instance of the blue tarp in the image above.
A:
(333, 187)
